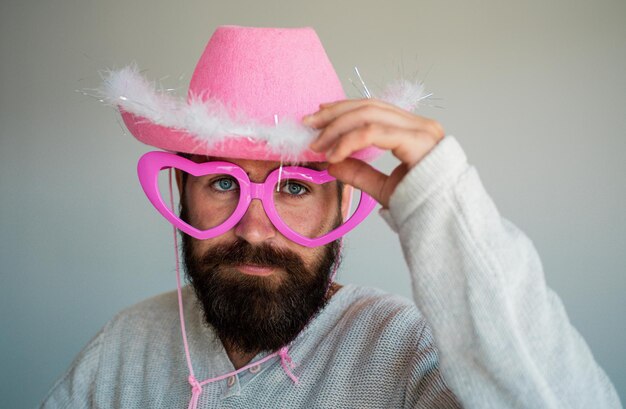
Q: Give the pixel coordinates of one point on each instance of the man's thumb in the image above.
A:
(362, 176)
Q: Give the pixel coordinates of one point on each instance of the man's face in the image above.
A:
(258, 289)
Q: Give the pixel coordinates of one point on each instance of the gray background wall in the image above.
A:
(534, 90)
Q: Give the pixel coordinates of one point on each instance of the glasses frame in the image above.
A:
(151, 163)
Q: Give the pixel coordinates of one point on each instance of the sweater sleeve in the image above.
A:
(503, 336)
(75, 388)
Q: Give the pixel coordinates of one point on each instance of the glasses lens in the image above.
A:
(207, 201)
(309, 209)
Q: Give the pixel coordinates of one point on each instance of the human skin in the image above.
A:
(346, 126)
(256, 228)
(350, 125)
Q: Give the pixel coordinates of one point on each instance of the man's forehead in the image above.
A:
(257, 163)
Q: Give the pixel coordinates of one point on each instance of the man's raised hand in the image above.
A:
(350, 125)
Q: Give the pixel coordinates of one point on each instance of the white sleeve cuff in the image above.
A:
(437, 170)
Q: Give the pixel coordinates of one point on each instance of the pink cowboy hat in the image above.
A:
(246, 99)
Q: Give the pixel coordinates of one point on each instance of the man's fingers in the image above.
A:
(352, 125)
(362, 176)
(420, 145)
(360, 117)
(408, 146)
(331, 110)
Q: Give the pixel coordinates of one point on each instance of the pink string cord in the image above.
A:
(196, 387)
(287, 364)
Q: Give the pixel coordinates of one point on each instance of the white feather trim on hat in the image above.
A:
(210, 121)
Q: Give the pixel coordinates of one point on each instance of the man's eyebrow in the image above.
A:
(310, 165)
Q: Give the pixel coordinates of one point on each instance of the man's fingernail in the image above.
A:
(308, 120)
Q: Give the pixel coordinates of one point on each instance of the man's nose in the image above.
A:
(255, 227)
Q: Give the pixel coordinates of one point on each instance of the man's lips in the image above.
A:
(255, 270)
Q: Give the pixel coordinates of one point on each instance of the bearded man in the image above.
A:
(267, 155)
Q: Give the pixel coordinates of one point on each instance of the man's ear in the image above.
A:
(346, 200)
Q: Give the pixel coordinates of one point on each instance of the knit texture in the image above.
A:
(366, 349)
(483, 329)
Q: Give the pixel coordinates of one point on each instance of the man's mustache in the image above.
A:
(241, 252)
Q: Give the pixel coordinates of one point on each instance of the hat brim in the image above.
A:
(236, 147)
(206, 127)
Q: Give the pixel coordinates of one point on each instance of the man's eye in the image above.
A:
(224, 184)
(294, 189)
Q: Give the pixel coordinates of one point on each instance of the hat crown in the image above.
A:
(263, 73)
(247, 96)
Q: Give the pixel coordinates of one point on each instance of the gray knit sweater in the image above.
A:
(483, 331)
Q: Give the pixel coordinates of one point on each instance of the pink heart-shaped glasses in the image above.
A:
(151, 163)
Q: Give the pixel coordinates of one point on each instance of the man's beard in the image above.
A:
(252, 313)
